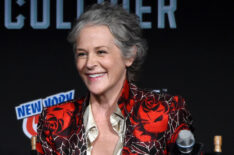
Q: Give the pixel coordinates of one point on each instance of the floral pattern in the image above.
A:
(152, 123)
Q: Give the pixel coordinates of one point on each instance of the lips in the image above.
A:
(95, 75)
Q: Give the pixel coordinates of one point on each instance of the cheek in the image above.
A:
(108, 64)
(79, 65)
(117, 64)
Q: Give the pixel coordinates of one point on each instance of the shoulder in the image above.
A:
(71, 106)
(60, 117)
(151, 97)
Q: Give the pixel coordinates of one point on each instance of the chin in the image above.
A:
(96, 90)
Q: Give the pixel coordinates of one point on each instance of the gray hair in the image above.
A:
(124, 27)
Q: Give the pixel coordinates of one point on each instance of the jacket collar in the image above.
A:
(125, 101)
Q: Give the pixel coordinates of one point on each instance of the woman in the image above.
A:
(116, 117)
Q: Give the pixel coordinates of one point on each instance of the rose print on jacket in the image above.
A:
(58, 120)
(151, 119)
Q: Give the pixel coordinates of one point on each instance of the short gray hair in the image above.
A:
(124, 26)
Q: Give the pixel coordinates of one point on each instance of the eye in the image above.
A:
(101, 52)
(81, 54)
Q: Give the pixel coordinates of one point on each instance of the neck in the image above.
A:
(107, 102)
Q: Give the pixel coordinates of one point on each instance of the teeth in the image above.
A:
(95, 75)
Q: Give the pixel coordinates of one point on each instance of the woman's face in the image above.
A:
(99, 61)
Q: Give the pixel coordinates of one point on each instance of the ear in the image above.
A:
(129, 61)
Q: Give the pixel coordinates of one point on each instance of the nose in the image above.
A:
(91, 62)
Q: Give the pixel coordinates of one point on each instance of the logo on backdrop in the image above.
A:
(165, 12)
(30, 111)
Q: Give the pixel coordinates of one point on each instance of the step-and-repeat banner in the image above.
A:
(190, 54)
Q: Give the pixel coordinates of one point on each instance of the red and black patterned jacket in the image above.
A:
(152, 123)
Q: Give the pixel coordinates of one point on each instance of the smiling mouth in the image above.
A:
(95, 75)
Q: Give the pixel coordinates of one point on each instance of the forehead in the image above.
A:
(98, 34)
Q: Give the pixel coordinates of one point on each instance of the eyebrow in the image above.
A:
(101, 47)
(80, 49)
(96, 48)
